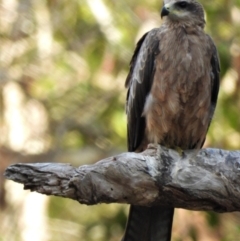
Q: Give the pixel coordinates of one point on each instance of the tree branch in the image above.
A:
(204, 180)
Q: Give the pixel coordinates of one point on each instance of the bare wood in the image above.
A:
(207, 180)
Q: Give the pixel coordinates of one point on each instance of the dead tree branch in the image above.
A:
(207, 180)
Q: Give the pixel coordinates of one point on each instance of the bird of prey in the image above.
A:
(172, 86)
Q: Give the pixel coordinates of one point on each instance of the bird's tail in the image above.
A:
(149, 224)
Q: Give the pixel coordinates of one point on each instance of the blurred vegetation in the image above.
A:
(62, 73)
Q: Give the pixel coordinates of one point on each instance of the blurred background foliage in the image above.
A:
(62, 72)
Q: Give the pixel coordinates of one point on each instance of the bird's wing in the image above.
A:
(215, 73)
(139, 82)
(144, 223)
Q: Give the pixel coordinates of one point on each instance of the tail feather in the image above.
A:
(149, 224)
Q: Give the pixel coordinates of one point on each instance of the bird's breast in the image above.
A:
(177, 109)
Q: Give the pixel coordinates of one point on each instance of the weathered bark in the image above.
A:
(207, 180)
(8, 156)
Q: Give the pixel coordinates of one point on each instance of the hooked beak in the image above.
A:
(164, 12)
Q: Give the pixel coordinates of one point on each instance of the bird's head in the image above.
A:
(183, 11)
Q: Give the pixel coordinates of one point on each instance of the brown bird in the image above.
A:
(172, 86)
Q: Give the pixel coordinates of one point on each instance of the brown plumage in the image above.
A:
(172, 93)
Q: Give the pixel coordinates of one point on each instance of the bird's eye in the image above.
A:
(182, 4)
